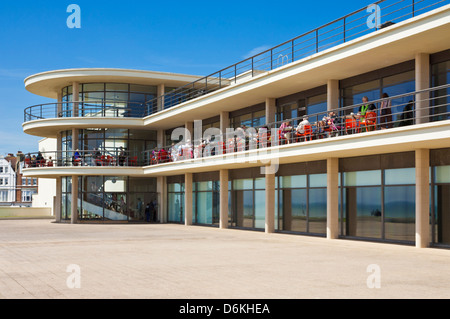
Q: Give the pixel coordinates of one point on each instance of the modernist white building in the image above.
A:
(375, 170)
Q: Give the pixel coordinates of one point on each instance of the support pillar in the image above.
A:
(188, 180)
(271, 110)
(332, 95)
(422, 83)
(75, 98)
(332, 198)
(160, 94)
(224, 178)
(270, 201)
(57, 201)
(224, 122)
(189, 126)
(161, 189)
(74, 200)
(422, 198)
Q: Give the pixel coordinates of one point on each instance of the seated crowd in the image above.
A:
(331, 125)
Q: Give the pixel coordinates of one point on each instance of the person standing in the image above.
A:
(385, 112)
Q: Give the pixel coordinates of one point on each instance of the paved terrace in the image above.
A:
(173, 261)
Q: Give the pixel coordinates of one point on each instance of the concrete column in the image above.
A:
(422, 83)
(189, 126)
(160, 138)
(224, 121)
(161, 189)
(188, 211)
(59, 105)
(271, 110)
(270, 201)
(224, 178)
(160, 94)
(74, 140)
(332, 95)
(332, 198)
(57, 201)
(74, 200)
(75, 97)
(422, 198)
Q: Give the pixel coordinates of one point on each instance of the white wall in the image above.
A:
(47, 187)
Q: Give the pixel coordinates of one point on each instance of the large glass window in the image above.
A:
(175, 202)
(118, 146)
(110, 198)
(302, 205)
(206, 197)
(110, 99)
(248, 203)
(392, 85)
(440, 196)
(441, 98)
(379, 203)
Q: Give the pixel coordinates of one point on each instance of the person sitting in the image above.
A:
(50, 162)
(76, 159)
(330, 122)
(97, 157)
(407, 117)
(301, 126)
(33, 161)
(122, 156)
(285, 131)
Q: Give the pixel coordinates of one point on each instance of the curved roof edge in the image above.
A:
(49, 83)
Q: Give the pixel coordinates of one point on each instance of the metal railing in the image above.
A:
(84, 109)
(356, 24)
(85, 158)
(401, 111)
(414, 108)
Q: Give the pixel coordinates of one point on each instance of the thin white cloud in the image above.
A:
(257, 50)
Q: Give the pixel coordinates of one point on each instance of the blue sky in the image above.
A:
(198, 38)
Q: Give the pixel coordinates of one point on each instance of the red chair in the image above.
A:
(307, 135)
(370, 121)
(351, 125)
(133, 161)
(27, 162)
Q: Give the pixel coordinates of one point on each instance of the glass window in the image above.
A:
(243, 184)
(293, 181)
(362, 178)
(400, 176)
(317, 219)
(399, 212)
(442, 174)
(116, 87)
(318, 180)
(317, 104)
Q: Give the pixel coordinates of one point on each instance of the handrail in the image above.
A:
(244, 139)
(101, 108)
(434, 104)
(189, 91)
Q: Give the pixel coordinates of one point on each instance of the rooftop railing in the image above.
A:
(379, 15)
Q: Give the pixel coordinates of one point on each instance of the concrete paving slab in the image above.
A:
(175, 261)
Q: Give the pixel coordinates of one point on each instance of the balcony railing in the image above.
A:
(85, 158)
(409, 109)
(84, 109)
(379, 15)
(403, 110)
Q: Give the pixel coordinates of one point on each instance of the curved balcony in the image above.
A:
(47, 119)
(84, 162)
